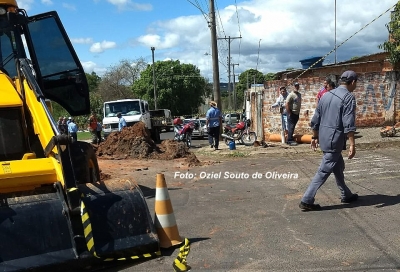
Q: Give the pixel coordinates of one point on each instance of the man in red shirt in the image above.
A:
(322, 91)
(93, 127)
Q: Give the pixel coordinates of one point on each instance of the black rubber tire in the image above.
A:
(84, 161)
(188, 140)
(248, 138)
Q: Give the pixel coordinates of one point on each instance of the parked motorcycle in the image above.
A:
(183, 132)
(240, 133)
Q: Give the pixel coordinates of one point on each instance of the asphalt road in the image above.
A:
(242, 215)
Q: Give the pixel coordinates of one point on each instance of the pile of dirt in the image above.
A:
(135, 142)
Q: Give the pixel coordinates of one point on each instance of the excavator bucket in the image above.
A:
(116, 220)
(33, 233)
(36, 232)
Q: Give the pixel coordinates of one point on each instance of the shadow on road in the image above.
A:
(170, 251)
(151, 192)
(379, 201)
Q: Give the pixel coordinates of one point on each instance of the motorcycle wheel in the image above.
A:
(189, 140)
(240, 137)
(226, 140)
(248, 138)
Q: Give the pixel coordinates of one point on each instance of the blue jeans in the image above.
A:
(284, 122)
(292, 121)
(331, 162)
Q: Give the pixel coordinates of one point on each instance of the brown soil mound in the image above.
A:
(135, 142)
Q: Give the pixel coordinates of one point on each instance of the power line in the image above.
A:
(237, 16)
(199, 8)
(219, 17)
(334, 49)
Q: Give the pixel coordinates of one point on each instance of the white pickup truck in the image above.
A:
(133, 111)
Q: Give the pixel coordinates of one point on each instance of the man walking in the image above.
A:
(293, 105)
(332, 123)
(213, 122)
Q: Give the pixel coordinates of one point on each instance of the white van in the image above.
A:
(232, 118)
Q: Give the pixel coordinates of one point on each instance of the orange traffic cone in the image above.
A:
(165, 222)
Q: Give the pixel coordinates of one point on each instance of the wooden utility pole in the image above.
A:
(234, 90)
(214, 50)
(229, 66)
(154, 79)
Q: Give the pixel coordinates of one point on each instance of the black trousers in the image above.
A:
(213, 136)
(292, 121)
(98, 134)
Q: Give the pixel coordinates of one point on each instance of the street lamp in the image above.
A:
(154, 79)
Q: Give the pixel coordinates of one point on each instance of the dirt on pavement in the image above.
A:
(134, 146)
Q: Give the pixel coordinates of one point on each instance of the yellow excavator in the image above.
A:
(54, 209)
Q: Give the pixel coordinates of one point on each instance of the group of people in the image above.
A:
(289, 105)
(333, 124)
(68, 127)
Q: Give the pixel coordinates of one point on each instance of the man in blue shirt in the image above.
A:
(122, 122)
(213, 122)
(333, 123)
(72, 130)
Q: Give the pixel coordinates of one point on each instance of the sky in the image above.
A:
(266, 35)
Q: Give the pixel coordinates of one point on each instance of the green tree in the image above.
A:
(247, 78)
(93, 81)
(179, 87)
(270, 76)
(392, 45)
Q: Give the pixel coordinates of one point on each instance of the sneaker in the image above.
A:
(212, 146)
(293, 143)
(350, 199)
(309, 207)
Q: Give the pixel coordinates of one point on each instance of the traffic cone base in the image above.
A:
(169, 237)
(165, 222)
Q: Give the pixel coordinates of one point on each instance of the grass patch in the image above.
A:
(84, 135)
(237, 154)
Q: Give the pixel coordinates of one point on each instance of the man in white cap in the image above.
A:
(333, 123)
(213, 122)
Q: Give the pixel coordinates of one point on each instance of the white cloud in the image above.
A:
(290, 30)
(25, 4)
(69, 6)
(90, 66)
(47, 2)
(125, 5)
(82, 40)
(100, 47)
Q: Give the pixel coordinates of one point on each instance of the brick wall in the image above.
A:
(376, 95)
